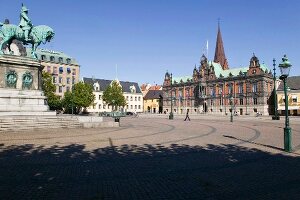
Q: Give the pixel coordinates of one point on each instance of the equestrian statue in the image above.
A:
(25, 32)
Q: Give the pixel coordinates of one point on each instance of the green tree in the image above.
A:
(79, 98)
(113, 95)
(49, 89)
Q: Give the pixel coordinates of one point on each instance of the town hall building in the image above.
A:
(216, 88)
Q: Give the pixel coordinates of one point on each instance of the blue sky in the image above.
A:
(145, 38)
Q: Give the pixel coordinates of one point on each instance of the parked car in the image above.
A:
(129, 113)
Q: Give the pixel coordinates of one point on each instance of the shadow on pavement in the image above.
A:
(146, 172)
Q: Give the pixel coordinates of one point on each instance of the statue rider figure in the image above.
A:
(25, 22)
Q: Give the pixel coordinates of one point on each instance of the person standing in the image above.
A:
(187, 115)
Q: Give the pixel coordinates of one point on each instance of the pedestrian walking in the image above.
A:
(187, 115)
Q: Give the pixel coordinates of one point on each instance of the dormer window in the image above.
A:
(96, 86)
(132, 89)
(60, 59)
(43, 57)
(68, 61)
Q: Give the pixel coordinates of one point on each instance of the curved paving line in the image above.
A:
(257, 135)
(213, 130)
(155, 133)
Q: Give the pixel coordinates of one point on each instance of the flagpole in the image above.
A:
(207, 49)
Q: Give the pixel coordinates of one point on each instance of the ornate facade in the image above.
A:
(214, 88)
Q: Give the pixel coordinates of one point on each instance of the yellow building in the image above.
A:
(153, 101)
(293, 84)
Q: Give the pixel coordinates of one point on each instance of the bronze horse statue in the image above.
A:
(38, 34)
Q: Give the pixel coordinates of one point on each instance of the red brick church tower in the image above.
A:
(219, 52)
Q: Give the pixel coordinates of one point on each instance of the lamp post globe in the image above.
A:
(285, 67)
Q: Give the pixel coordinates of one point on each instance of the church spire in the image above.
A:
(219, 52)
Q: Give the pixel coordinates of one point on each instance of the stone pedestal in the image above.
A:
(20, 87)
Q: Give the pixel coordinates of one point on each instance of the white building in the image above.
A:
(131, 92)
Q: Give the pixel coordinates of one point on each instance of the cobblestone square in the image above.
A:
(153, 158)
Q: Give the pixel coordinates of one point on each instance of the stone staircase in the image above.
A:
(19, 123)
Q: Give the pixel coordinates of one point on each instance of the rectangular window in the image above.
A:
(241, 89)
(99, 107)
(139, 106)
(135, 106)
(60, 89)
(221, 89)
(135, 98)
(60, 79)
(104, 106)
(99, 97)
(241, 101)
(49, 69)
(68, 80)
(254, 87)
(68, 88)
(73, 80)
(131, 98)
(54, 79)
(54, 70)
(139, 98)
(131, 107)
(73, 71)
(294, 98)
(127, 98)
(255, 101)
(230, 90)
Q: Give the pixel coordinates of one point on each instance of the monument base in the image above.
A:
(20, 87)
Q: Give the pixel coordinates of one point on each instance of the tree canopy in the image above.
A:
(80, 97)
(113, 95)
(49, 89)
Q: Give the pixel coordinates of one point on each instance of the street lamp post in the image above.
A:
(171, 116)
(231, 113)
(285, 67)
(275, 117)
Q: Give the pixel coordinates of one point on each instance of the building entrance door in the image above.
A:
(241, 111)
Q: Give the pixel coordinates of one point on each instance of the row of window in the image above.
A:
(60, 89)
(108, 107)
(60, 80)
(202, 90)
(52, 59)
(60, 70)
(127, 98)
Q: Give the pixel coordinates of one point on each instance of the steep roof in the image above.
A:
(234, 71)
(105, 83)
(293, 83)
(183, 78)
(219, 51)
(154, 94)
(55, 54)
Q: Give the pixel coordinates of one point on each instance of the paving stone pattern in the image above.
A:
(153, 158)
